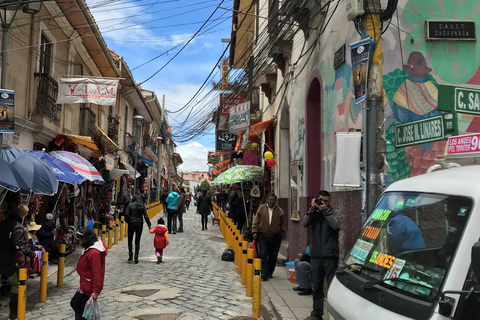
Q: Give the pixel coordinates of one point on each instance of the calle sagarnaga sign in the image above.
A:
(450, 30)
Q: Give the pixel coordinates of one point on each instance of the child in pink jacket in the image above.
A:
(160, 241)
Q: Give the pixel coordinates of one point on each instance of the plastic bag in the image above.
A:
(253, 246)
(212, 215)
(228, 255)
(92, 310)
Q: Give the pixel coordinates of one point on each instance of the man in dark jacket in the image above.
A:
(135, 214)
(204, 208)
(324, 222)
(268, 232)
(13, 240)
(232, 198)
(126, 201)
(46, 233)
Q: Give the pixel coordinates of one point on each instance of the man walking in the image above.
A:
(172, 207)
(324, 222)
(268, 232)
(181, 208)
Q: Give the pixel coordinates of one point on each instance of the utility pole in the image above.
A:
(160, 153)
(371, 21)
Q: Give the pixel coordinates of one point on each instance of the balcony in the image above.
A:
(47, 98)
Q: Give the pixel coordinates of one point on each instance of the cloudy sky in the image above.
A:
(148, 33)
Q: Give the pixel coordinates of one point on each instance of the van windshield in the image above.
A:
(411, 239)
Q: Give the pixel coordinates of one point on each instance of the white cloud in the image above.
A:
(194, 156)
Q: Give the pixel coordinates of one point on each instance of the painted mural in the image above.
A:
(411, 88)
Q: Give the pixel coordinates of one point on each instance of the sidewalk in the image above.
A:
(279, 301)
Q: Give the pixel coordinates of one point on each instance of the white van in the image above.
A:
(418, 254)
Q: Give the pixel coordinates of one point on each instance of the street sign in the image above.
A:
(225, 141)
(464, 144)
(459, 99)
(450, 30)
(420, 131)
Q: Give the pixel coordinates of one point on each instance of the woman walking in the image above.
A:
(91, 269)
(135, 214)
(204, 207)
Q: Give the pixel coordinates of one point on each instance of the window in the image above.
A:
(46, 50)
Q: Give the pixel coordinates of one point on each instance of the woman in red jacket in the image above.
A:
(91, 269)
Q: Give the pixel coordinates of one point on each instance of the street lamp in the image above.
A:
(137, 117)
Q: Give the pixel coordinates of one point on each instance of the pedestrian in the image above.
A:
(232, 198)
(188, 199)
(303, 274)
(324, 222)
(223, 199)
(268, 231)
(163, 198)
(47, 232)
(13, 241)
(136, 213)
(160, 241)
(91, 269)
(181, 208)
(172, 207)
(204, 208)
(126, 198)
(241, 211)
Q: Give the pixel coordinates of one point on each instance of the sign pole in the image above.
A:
(5, 31)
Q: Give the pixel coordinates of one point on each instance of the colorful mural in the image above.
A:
(412, 91)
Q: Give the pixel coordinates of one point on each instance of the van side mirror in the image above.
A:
(476, 262)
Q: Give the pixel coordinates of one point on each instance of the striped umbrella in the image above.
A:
(81, 165)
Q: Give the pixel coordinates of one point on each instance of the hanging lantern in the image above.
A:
(271, 163)
(268, 155)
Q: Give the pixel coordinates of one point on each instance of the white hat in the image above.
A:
(49, 216)
(33, 226)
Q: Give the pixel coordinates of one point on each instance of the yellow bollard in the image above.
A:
(244, 262)
(122, 225)
(257, 288)
(110, 234)
(240, 251)
(235, 246)
(249, 272)
(22, 294)
(43, 278)
(115, 238)
(126, 230)
(95, 230)
(104, 231)
(61, 265)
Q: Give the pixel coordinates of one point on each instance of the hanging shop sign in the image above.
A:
(225, 141)
(360, 55)
(224, 85)
(450, 30)
(239, 117)
(7, 98)
(339, 57)
(459, 99)
(100, 91)
(227, 101)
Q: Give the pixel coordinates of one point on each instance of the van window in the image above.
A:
(411, 238)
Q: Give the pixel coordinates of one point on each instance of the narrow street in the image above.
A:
(191, 283)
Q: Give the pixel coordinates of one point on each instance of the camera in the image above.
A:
(319, 201)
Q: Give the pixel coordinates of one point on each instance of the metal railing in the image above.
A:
(47, 98)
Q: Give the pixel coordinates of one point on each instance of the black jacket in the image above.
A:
(135, 214)
(204, 204)
(324, 234)
(45, 234)
(12, 240)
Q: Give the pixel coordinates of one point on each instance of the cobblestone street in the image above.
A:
(191, 283)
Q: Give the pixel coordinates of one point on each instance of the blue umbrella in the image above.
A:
(35, 175)
(9, 154)
(8, 176)
(63, 172)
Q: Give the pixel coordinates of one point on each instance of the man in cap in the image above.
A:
(47, 232)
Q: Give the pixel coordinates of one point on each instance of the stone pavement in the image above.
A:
(191, 283)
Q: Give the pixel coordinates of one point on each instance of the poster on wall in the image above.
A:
(7, 98)
(239, 118)
(360, 55)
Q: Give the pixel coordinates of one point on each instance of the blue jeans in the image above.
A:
(268, 248)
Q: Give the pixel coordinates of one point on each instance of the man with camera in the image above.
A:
(324, 222)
